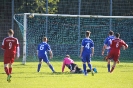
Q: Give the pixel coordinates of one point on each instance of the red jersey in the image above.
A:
(117, 44)
(10, 45)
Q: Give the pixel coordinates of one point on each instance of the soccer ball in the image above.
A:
(31, 15)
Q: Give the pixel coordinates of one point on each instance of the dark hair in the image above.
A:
(11, 31)
(87, 33)
(117, 35)
(111, 33)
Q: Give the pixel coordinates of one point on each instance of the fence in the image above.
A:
(76, 7)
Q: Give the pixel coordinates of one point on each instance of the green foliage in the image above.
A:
(25, 76)
(36, 6)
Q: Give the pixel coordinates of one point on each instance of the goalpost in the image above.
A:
(65, 32)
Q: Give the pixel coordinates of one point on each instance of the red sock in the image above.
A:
(6, 70)
(10, 70)
(112, 69)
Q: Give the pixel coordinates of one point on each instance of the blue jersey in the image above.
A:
(42, 49)
(108, 41)
(87, 44)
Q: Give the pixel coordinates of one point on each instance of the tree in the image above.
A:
(35, 6)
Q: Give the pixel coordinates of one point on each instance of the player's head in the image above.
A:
(111, 32)
(68, 56)
(45, 39)
(10, 32)
(87, 33)
(117, 35)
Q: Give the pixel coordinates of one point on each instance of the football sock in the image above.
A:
(10, 70)
(84, 67)
(88, 70)
(89, 65)
(51, 67)
(6, 70)
(112, 69)
(108, 67)
(39, 66)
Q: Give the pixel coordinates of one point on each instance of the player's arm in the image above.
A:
(18, 49)
(51, 54)
(81, 50)
(63, 66)
(103, 49)
(3, 45)
(92, 50)
(37, 52)
(125, 46)
(104, 46)
(50, 51)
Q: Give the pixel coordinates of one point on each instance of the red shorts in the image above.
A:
(114, 56)
(9, 59)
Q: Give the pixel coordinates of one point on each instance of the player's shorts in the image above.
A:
(86, 58)
(114, 56)
(46, 60)
(9, 59)
(72, 66)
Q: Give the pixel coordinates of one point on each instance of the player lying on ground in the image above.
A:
(10, 45)
(42, 54)
(68, 62)
(106, 46)
(114, 53)
(86, 52)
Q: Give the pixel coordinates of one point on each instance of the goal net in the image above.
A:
(65, 32)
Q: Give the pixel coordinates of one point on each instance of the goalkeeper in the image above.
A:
(68, 62)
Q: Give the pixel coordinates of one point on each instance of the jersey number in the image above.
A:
(41, 47)
(10, 45)
(117, 44)
(88, 46)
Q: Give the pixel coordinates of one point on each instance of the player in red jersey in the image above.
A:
(10, 45)
(114, 53)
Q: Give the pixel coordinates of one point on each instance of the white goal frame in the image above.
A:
(58, 15)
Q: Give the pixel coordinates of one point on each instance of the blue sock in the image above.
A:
(51, 67)
(108, 67)
(89, 65)
(84, 67)
(39, 66)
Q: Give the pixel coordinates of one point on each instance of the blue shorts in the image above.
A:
(45, 59)
(86, 58)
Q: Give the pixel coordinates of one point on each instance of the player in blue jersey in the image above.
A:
(106, 46)
(42, 54)
(86, 52)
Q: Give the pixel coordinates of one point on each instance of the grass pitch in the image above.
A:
(25, 76)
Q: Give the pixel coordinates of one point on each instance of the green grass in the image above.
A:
(25, 76)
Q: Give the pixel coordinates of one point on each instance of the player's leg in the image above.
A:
(108, 60)
(78, 70)
(113, 67)
(116, 58)
(108, 65)
(39, 64)
(7, 72)
(84, 65)
(89, 64)
(50, 66)
(110, 55)
(6, 68)
(73, 68)
(10, 64)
